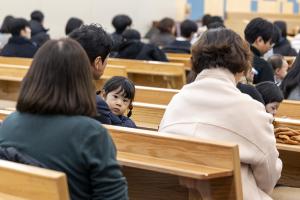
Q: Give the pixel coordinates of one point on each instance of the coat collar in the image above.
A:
(219, 73)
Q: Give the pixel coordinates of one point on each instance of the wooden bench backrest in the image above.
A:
(15, 61)
(32, 183)
(181, 58)
(154, 95)
(290, 109)
(153, 73)
(179, 156)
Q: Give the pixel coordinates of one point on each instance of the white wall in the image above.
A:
(57, 12)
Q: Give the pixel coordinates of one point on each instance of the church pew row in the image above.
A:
(23, 182)
(157, 166)
(148, 73)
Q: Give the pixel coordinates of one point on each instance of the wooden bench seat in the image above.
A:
(289, 109)
(19, 181)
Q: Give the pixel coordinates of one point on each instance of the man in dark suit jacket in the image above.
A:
(19, 45)
(259, 33)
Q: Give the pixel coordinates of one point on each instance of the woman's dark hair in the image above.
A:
(131, 34)
(37, 16)
(17, 25)
(276, 61)
(205, 19)
(292, 79)
(59, 81)
(121, 22)
(165, 25)
(276, 35)
(282, 26)
(259, 27)
(124, 86)
(72, 24)
(188, 27)
(6, 24)
(94, 40)
(221, 48)
(270, 92)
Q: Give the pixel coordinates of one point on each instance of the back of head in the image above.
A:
(37, 16)
(282, 26)
(131, 34)
(187, 28)
(17, 25)
(94, 40)
(6, 24)
(276, 61)
(258, 27)
(121, 22)
(276, 35)
(292, 79)
(72, 24)
(221, 48)
(205, 19)
(166, 25)
(270, 92)
(59, 81)
(215, 25)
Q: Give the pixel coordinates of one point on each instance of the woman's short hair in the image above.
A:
(72, 24)
(59, 81)
(221, 48)
(165, 25)
(270, 92)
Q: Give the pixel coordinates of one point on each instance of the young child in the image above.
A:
(271, 94)
(280, 67)
(118, 94)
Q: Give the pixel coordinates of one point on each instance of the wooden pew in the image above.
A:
(18, 181)
(153, 73)
(11, 77)
(290, 109)
(154, 95)
(181, 58)
(290, 60)
(155, 164)
(290, 155)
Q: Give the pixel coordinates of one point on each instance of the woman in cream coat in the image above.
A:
(213, 108)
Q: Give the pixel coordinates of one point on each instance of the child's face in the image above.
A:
(281, 72)
(116, 102)
(272, 108)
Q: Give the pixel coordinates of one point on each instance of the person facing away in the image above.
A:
(166, 34)
(259, 33)
(39, 33)
(118, 94)
(214, 109)
(133, 48)
(97, 45)
(271, 94)
(280, 67)
(19, 44)
(53, 123)
(120, 23)
(290, 85)
(183, 44)
(72, 24)
(5, 30)
(283, 46)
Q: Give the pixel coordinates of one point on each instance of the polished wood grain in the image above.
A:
(289, 109)
(32, 183)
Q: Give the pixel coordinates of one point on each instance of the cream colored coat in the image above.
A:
(213, 108)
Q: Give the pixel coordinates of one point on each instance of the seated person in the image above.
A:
(118, 94)
(283, 46)
(5, 30)
(39, 33)
(133, 48)
(271, 94)
(280, 67)
(183, 44)
(19, 45)
(166, 34)
(290, 85)
(120, 23)
(72, 24)
(259, 34)
(53, 123)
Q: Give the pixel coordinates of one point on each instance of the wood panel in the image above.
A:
(289, 109)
